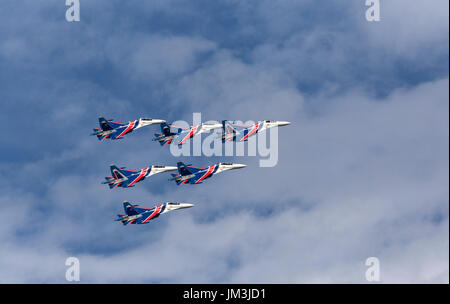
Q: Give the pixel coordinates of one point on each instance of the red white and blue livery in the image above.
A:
(116, 130)
(239, 133)
(142, 215)
(182, 135)
(196, 175)
(125, 178)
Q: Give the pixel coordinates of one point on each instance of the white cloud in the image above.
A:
(357, 176)
(155, 58)
(406, 28)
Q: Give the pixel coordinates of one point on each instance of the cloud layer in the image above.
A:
(362, 171)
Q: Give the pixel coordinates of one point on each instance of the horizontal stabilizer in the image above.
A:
(112, 186)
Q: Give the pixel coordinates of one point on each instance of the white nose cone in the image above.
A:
(229, 166)
(158, 121)
(159, 169)
(176, 206)
(208, 127)
(283, 123)
(149, 121)
(165, 168)
(238, 166)
(186, 205)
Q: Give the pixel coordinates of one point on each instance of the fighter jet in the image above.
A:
(236, 132)
(181, 135)
(122, 177)
(195, 175)
(141, 215)
(115, 130)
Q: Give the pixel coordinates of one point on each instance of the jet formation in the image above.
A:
(187, 174)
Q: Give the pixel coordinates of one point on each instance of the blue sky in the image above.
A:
(362, 171)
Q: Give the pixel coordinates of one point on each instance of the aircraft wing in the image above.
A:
(199, 177)
(141, 209)
(185, 135)
(150, 214)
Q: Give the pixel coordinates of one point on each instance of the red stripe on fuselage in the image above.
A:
(143, 173)
(208, 173)
(157, 210)
(130, 126)
(254, 129)
(117, 122)
(136, 171)
(191, 133)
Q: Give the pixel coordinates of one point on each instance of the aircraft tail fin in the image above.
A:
(228, 132)
(165, 129)
(118, 173)
(104, 125)
(183, 169)
(129, 209)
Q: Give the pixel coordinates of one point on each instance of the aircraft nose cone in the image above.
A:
(167, 168)
(239, 166)
(212, 126)
(148, 121)
(186, 205)
(283, 123)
